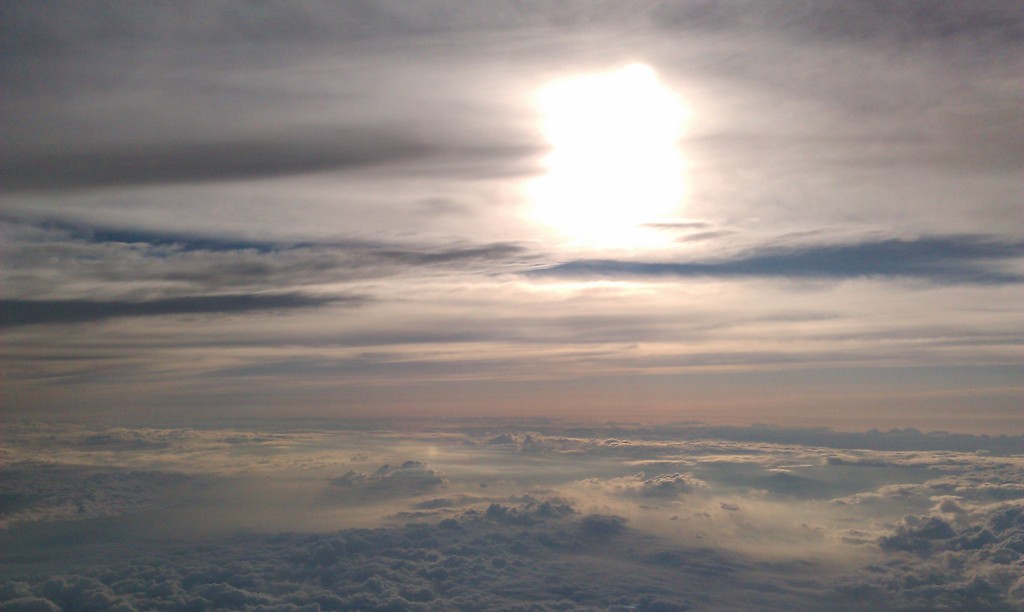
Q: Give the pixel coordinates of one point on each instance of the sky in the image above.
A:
(778, 212)
(454, 305)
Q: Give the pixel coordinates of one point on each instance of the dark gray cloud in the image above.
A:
(662, 486)
(557, 547)
(52, 27)
(57, 27)
(407, 254)
(941, 259)
(58, 230)
(139, 271)
(158, 97)
(31, 492)
(410, 478)
(29, 312)
(834, 19)
(535, 553)
(934, 562)
(602, 525)
(204, 161)
(530, 554)
(133, 235)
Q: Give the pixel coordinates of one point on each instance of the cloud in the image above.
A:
(231, 112)
(449, 502)
(110, 262)
(57, 232)
(551, 527)
(752, 440)
(703, 236)
(531, 512)
(123, 438)
(30, 312)
(539, 553)
(47, 29)
(29, 604)
(917, 535)
(177, 171)
(966, 485)
(197, 134)
(834, 19)
(204, 161)
(409, 478)
(495, 558)
(83, 593)
(782, 482)
(662, 486)
(32, 493)
(940, 259)
(936, 563)
(906, 439)
(680, 225)
(602, 525)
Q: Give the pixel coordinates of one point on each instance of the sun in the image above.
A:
(614, 167)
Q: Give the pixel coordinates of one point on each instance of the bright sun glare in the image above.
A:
(615, 164)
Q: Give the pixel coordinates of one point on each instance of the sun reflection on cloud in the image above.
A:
(615, 164)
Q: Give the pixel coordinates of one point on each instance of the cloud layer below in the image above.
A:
(493, 514)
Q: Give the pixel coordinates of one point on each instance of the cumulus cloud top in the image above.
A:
(709, 522)
(409, 477)
(662, 486)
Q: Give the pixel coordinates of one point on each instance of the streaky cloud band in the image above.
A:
(199, 162)
(941, 259)
(15, 313)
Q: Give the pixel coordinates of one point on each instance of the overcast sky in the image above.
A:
(788, 212)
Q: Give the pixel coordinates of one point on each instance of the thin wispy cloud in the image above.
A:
(941, 259)
(29, 312)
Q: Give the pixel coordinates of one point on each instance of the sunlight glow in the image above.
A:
(615, 163)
